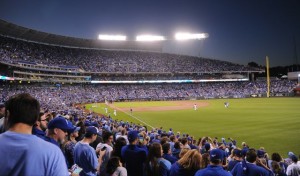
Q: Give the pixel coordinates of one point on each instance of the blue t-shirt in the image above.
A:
(134, 158)
(249, 169)
(213, 170)
(85, 157)
(178, 170)
(170, 158)
(38, 133)
(69, 153)
(164, 166)
(231, 164)
(51, 140)
(26, 154)
(176, 152)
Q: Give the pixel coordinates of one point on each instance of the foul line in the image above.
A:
(111, 106)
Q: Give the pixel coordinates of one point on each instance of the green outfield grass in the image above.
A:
(273, 123)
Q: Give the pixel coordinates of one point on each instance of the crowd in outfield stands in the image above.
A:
(12, 51)
(63, 97)
(35, 141)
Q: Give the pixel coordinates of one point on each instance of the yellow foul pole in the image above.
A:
(268, 76)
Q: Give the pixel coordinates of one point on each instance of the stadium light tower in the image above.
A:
(112, 37)
(190, 36)
(149, 38)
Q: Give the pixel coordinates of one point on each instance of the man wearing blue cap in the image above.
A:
(134, 156)
(58, 128)
(21, 152)
(69, 147)
(85, 155)
(248, 166)
(237, 157)
(215, 167)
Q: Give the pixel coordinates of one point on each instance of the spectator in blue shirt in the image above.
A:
(69, 147)
(215, 167)
(58, 129)
(156, 164)
(134, 156)
(248, 166)
(177, 149)
(21, 152)
(40, 126)
(237, 157)
(85, 155)
(187, 165)
(167, 154)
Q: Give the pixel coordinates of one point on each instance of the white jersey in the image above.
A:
(195, 107)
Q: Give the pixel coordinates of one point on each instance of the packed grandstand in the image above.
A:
(61, 77)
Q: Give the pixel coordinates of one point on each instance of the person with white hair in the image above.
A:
(293, 169)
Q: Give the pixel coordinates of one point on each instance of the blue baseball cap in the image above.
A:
(76, 129)
(260, 153)
(244, 151)
(237, 152)
(95, 124)
(132, 135)
(61, 123)
(87, 123)
(216, 154)
(91, 130)
(207, 146)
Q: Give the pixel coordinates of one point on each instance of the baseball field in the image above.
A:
(273, 123)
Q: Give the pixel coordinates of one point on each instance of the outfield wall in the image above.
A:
(211, 97)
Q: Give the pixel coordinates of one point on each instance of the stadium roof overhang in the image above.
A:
(19, 32)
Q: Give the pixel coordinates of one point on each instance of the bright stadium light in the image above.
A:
(149, 38)
(189, 36)
(112, 37)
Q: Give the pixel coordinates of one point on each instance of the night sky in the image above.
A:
(240, 31)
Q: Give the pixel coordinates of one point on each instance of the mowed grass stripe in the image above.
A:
(143, 104)
(269, 122)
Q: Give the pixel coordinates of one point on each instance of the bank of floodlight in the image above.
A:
(149, 38)
(190, 36)
(112, 37)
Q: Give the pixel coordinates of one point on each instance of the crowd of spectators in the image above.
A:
(70, 141)
(163, 77)
(98, 145)
(64, 96)
(91, 60)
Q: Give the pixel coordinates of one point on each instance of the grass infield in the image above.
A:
(273, 123)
